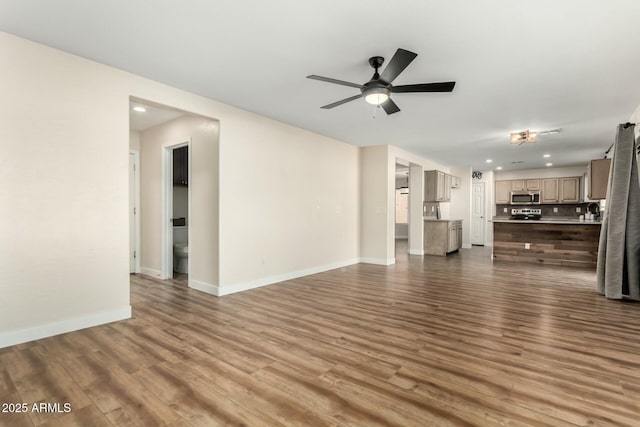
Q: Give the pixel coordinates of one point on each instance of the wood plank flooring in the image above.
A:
(455, 341)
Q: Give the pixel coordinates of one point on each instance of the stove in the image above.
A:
(526, 213)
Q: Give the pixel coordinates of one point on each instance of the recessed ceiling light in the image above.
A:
(499, 168)
(546, 156)
(139, 109)
(489, 160)
(549, 164)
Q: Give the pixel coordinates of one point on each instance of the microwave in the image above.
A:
(525, 198)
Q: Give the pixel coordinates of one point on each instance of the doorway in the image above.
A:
(478, 216)
(134, 218)
(177, 208)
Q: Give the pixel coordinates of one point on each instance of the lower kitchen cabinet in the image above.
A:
(442, 236)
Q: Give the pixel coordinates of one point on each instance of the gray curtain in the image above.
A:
(618, 270)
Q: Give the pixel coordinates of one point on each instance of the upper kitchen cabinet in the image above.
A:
(550, 191)
(455, 181)
(503, 190)
(560, 190)
(437, 186)
(569, 190)
(181, 166)
(598, 178)
(532, 184)
(518, 185)
(525, 185)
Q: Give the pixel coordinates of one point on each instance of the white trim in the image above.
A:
(244, 286)
(416, 252)
(151, 272)
(488, 244)
(61, 327)
(378, 261)
(136, 196)
(466, 246)
(204, 287)
(167, 203)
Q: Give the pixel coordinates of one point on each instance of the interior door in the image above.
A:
(478, 220)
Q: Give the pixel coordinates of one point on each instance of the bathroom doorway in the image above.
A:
(177, 196)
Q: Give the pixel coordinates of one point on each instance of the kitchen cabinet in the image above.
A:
(503, 192)
(598, 178)
(533, 185)
(437, 186)
(181, 166)
(550, 191)
(569, 190)
(518, 185)
(442, 236)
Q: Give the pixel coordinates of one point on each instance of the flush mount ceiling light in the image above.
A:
(139, 109)
(489, 160)
(549, 164)
(499, 168)
(546, 156)
(522, 137)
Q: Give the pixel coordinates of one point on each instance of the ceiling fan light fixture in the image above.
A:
(376, 95)
(521, 137)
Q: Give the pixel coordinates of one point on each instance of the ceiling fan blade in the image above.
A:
(344, 101)
(335, 81)
(424, 87)
(401, 59)
(390, 107)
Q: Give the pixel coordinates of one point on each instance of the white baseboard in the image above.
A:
(244, 286)
(416, 251)
(61, 327)
(378, 261)
(151, 272)
(204, 287)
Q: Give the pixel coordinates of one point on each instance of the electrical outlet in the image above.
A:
(527, 245)
(578, 209)
(504, 210)
(555, 210)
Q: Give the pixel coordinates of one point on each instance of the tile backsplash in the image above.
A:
(564, 210)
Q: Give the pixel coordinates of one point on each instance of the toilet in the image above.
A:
(181, 249)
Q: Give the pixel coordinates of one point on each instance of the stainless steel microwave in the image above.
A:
(525, 197)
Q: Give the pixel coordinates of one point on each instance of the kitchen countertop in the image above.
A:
(548, 220)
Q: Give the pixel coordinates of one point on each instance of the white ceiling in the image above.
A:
(518, 64)
(153, 115)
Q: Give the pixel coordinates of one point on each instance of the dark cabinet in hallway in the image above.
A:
(181, 166)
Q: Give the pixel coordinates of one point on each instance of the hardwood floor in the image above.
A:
(429, 341)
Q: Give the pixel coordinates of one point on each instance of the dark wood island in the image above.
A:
(555, 241)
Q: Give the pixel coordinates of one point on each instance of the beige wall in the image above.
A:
(65, 140)
(203, 136)
(289, 199)
(134, 140)
(542, 173)
(288, 203)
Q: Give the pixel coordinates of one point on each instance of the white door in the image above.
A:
(132, 213)
(478, 220)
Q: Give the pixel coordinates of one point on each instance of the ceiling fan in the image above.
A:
(378, 90)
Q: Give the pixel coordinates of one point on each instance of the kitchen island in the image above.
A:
(557, 241)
